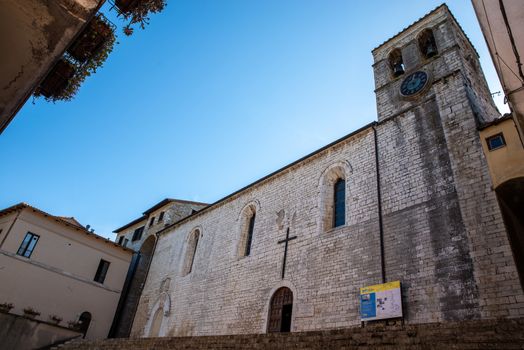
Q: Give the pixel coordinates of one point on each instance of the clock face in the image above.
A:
(414, 83)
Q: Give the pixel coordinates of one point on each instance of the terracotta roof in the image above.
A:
(71, 220)
(67, 221)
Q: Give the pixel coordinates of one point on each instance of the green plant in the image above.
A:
(55, 318)
(94, 35)
(6, 307)
(73, 324)
(138, 12)
(31, 312)
(82, 70)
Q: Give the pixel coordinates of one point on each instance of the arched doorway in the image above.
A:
(141, 263)
(83, 322)
(157, 323)
(280, 311)
(511, 199)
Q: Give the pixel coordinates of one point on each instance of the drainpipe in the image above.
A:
(379, 200)
(519, 67)
(511, 40)
(10, 227)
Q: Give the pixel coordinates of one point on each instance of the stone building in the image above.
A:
(408, 198)
(140, 236)
(59, 280)
(167, 211)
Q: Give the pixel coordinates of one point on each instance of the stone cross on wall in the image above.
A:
(286, 241)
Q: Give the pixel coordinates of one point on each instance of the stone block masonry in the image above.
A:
(153, 220)
(438, 228)
(493, 334)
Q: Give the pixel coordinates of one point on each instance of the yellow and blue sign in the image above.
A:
(380, 301)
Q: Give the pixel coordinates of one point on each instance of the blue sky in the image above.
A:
(210, 97)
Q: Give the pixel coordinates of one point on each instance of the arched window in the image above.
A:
(247, 227)
(427, 44)
(339, 203)
(396, 63)
(250, 234)
(191, 248)
(333, 196)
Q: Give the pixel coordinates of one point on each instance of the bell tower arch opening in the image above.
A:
(427, 43)
(396, 63)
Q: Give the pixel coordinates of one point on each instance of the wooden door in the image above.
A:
(280, 310)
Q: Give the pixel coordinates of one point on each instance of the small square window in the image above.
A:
(495, 142)
(161, 217)
(137, 234)
(101, 272)
(121, 240)
(28, 245)
(152, 221)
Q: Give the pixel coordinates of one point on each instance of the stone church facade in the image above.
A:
(407, 198)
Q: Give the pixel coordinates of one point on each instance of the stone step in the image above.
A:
(481, 334)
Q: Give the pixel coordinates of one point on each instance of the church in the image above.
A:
(404, 201)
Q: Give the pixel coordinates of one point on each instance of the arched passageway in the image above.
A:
(138, 270)
(510, 195)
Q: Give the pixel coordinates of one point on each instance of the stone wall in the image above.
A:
(226, 293)
(504, 334)
(443, 233)
(173, 211)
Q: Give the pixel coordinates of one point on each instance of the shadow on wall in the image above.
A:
(511, 199)
(20, 333)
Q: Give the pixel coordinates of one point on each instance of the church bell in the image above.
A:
(431, 50)
(398, 69)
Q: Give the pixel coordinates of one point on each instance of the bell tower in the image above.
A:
(432, 98)
(418, 63)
